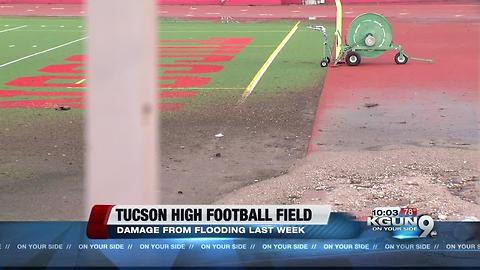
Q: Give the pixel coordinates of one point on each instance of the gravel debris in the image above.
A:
(436, 181)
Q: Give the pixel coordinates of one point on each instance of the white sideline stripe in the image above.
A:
(11, 29)
(267, 64)
(42, 52)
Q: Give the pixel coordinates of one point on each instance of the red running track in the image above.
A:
(418, 103)
(467, 11)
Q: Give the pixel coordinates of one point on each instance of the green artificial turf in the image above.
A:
(295, 68)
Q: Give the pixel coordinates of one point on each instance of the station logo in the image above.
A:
(402, 222)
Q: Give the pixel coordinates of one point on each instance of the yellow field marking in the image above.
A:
(338, 28)
(263, 69)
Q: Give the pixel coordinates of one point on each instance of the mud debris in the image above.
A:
(370, 105)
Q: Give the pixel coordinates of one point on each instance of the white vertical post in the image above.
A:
(122, 103)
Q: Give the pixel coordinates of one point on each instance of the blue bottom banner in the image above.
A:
(344, 242)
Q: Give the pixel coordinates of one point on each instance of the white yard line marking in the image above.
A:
(12, 29)
(258, 76)
(58, 30)
(42, 52)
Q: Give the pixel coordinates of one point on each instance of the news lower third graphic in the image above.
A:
(120, 221)
(240, 235)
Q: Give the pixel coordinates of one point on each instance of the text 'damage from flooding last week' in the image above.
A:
(202, 220)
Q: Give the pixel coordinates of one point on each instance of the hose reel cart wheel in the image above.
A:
(401, 59)
(353, 59)
(325, 61)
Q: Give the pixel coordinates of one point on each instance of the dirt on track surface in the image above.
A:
(41, 167)
(263, 138)
(41, 158)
